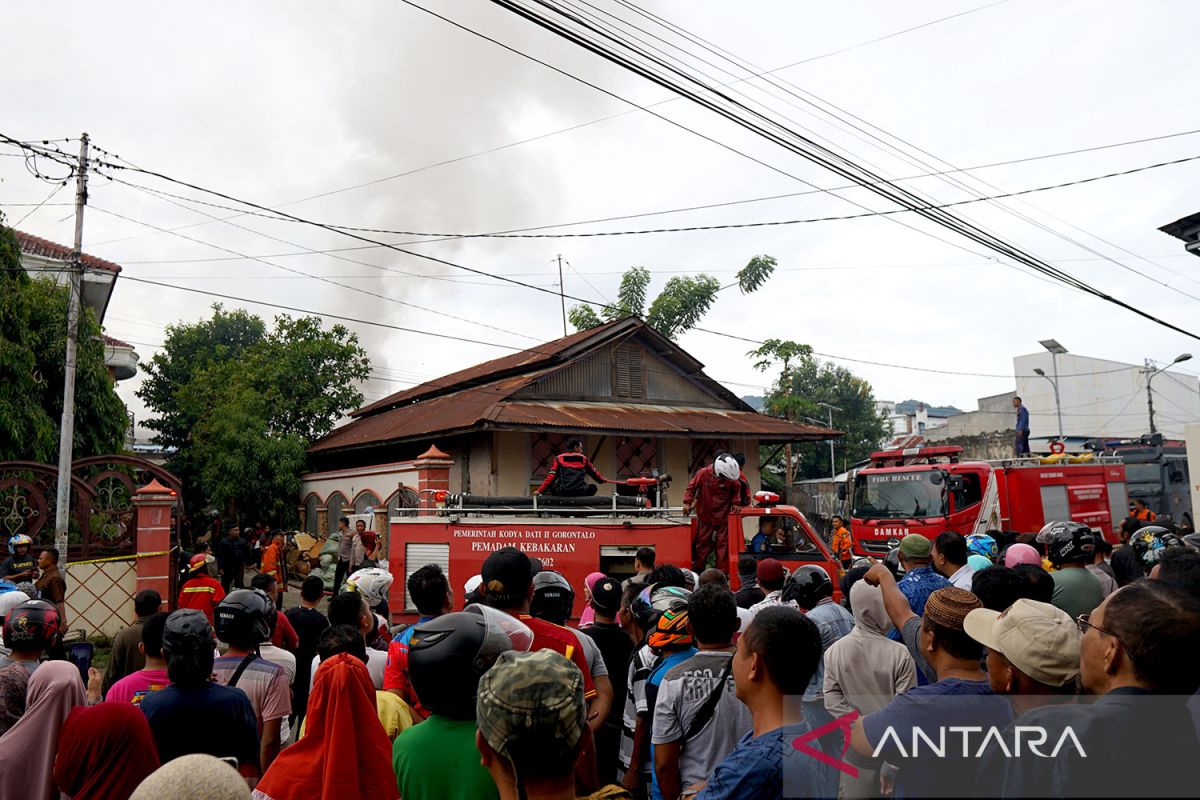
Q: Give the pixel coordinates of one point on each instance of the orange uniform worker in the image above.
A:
(202, 592)
(839, 541)
(713, 492)
(1142, 513)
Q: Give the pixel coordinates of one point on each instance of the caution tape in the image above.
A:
(132, 557)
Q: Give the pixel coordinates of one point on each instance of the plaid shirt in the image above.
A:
(917, 584)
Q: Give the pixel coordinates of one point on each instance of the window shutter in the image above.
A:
(630, 372)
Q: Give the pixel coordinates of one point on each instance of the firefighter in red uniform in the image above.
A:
(568, 473)
(713, 492)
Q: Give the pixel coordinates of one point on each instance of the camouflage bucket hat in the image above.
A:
(532, 703)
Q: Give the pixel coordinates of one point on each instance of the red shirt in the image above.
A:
(370, 541)
(548, 636)
(285, 635)
(202, 593)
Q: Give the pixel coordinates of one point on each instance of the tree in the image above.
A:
(242, 403)
(681, 304)
(805, 381)
(33, 331)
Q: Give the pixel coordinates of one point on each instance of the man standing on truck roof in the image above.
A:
(714, 492)
(1022, 428)
(566, 476)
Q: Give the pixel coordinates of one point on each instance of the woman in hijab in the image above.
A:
(345, 752)
(194, 777)
(104, 752)
(27, 749)
(588, 617)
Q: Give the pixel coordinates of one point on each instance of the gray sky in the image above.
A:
(275, 102)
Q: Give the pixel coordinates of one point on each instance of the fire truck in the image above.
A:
(928, 490)
(578, 536)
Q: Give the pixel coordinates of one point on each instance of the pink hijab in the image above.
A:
(28, 748)
(588, 617)
(1021, 554)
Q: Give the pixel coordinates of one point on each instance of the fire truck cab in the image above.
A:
(929, 490)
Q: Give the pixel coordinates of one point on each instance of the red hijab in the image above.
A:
(345, 752)
(104, 752)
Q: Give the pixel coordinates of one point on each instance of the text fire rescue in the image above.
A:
(535, 542)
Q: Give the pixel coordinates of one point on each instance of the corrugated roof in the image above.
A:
(37, 246)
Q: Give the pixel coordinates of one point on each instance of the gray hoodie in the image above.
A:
(864, 669)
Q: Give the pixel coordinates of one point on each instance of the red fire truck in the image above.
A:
(578, 536)
(929, 490)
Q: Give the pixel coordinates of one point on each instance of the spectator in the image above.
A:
(552, 601)
(283, 636)
(202, 592)
(192, 777)
(342, 697)
(30, 629)
(950, 559)
(1071, 546)
(126, 657)
(954, 656)
(997, 587)
(20, 566)
(347, 539)
(50, 584)
(133, 688)
(672, 640)
(245, 620)
(437, 759)
(232, 553)
(1141, 512)
(429, 591)
(1100, 565)
(771, 578)
(1181, 567)
(812, 590)
(308, 623)
(638, 616)
(643, 565)
(104, 752)
(1138, 655)
(864, 670)
(698, 719)
(194, 714)
(748, 592)
(1037, 583)
(616, 648)
(394, 714)
(349, 608)
(589, 614)
(273, 565)
(532, 725)
(27, 750)
(776, 658)
(667, 575)
(714, 577)
(14, 683)
(1022, 554)
(920, 580)
(369, 540)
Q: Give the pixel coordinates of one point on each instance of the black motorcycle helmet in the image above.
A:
(553, 597)
(245, 617)
(807, 586)
(187, 631)
(1067, 542)
(31, 626)
(449, 654)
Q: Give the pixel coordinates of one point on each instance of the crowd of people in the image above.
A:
(800, 683)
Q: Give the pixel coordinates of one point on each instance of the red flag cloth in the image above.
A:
(104, 752)
(345, 752)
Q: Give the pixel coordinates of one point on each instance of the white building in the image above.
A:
(913, 417)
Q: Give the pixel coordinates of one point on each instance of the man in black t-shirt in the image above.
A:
(309, 624)
(616, 648)
(749, 593)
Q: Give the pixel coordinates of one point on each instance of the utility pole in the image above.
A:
(62, 507)
(562, 293)
(1150, 373)
(832, 462)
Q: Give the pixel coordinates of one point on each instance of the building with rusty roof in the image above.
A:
(638, 400)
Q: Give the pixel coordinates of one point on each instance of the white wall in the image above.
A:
(1104, 398)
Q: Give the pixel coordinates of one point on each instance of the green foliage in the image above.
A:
(680, 306)
(242, 403)
(804, 382)
(33, 331)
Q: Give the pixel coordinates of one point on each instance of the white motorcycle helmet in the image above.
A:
(372, 583)
(726, 467)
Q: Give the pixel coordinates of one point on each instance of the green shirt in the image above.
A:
(437, 760)
(1077, 591)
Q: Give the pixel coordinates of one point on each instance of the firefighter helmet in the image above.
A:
(726, 467)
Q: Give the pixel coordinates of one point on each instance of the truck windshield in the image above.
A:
(899, 494)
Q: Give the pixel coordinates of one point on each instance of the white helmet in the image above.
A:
(372, 583)
(726, 467)
(472, 583)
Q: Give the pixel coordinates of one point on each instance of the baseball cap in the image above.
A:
(769, 569)
(1039, 639)
(606, 596)
(531, 705)
(507, 574)
(914, 545)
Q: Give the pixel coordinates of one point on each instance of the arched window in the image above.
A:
(336, 505)
(365, 500)
(311, 524)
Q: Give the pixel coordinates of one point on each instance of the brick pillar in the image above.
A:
(152, 505)
(433, 475)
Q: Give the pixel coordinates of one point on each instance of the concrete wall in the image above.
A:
(984, 446)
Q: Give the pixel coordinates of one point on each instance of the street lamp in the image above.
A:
(832, 464)
(1056, 350)
(1150, 373)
